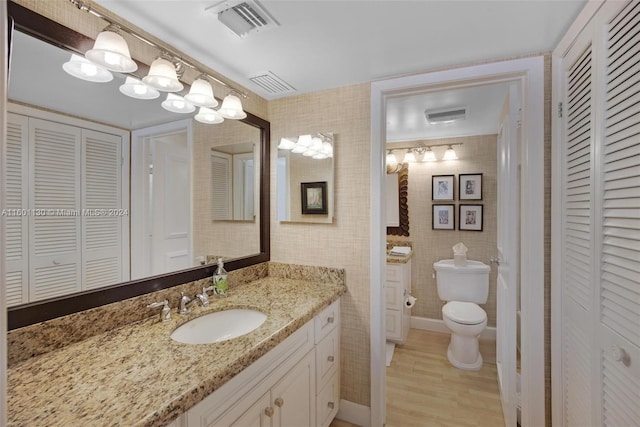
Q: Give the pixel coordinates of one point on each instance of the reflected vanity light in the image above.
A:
(208, 116)
(111, 51)
(135, 88)
(83, 69)
(419, 154)
(177, 104)
(318, 147)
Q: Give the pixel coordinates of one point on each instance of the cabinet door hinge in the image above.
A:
(560, 109)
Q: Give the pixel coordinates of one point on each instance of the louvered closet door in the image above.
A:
(619, 258)
(578, 272)
(17, 202)
(103, 213)
(54, 237)
(221, 179)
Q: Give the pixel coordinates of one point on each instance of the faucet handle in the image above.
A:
(204, 297)
(165, 314)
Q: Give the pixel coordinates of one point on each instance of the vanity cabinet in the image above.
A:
(397, 288)
(297, 384)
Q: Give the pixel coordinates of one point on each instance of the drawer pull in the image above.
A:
(330, 319)
(279, 402)
(330, 359)
(268, 411)
(330, 405)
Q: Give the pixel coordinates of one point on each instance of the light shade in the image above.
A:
(208, 116)
(136, 89)
(450, 154)
(286, 144)
(201, 93)
(299, 149)
(84, 69)
(391, 158)
(409, 157)
(177, 104)
(232, 108)
(305, 140)
(429, 156)
(327, 148)
(112, 52)
(162, 76)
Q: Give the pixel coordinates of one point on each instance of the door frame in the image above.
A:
(529, 72)
(139, 206)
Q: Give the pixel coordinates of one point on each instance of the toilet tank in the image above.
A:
(468, 284)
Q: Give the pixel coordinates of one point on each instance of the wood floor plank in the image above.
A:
(424, 390)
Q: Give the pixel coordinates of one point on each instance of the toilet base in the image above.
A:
(474, 366)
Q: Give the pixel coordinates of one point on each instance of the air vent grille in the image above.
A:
(243, 17)
(446, 116)
(271, 83)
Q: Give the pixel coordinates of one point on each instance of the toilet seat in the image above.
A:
(465, 313)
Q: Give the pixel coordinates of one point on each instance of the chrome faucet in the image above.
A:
(184, 302)
(165, 314)
(204, 297)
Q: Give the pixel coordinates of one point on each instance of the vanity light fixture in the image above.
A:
(450, 154)
(391, 158)
(137, 89)
(208, 116)
(318, 146)
(286, 144)
(409, 157)
(201, 93)
(162, 76)
(82, 68)
(232, 108)
(429, 155)
(111, 51)
(177, 104)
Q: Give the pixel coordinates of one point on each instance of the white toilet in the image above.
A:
(463, 288)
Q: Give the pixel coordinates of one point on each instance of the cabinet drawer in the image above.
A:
(394, 294)
(327, 320)
(393, 321)
(394, 273)
(327, 357)
(328, 400)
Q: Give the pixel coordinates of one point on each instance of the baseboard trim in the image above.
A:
(354, 413)
(437, 325)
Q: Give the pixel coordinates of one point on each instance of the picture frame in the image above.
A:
(314, 198)
(442, 187)
(444, 217)
(470, 186)
(471, 217)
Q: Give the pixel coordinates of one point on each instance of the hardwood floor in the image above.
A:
(424, 390)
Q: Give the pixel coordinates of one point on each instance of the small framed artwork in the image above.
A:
(470, 217)
(470, 186)
(444, 217)
(314, 197)
(442, 187)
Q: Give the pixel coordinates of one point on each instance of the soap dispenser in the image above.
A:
(220, 284)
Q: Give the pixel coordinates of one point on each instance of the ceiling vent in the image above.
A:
(272, 84)
(243, 17)
(448, 115)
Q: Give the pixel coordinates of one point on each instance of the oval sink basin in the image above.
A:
(219, 326)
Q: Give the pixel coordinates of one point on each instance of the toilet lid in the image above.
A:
(466, 313)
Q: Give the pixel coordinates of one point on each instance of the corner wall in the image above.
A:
(344, 243)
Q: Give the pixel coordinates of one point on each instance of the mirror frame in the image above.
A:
(36, 25)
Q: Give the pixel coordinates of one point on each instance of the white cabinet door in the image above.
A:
(253, 411)
(293, 397)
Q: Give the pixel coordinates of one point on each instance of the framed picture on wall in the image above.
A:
(444, 217)
(442, 187)
(470, 186)
(314, 198)
(470, 217)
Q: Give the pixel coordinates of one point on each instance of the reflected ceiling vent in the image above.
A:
(272, 84)
(243, 17)
(448, 115)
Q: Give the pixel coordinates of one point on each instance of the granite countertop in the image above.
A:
(138, 376)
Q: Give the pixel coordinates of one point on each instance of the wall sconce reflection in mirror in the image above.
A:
(318, 147)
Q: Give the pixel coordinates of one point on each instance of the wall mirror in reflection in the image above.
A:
(305, 178)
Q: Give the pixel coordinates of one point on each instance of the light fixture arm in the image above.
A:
(175, 57)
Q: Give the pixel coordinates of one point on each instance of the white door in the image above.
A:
(508, 255)
(170, 204)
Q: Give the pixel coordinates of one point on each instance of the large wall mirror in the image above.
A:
(305, 182)
(177, 207)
